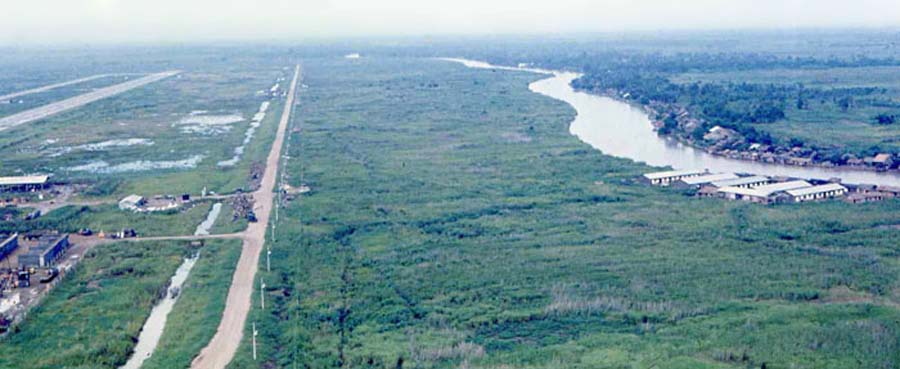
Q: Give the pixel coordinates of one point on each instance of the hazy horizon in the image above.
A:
(43, 22)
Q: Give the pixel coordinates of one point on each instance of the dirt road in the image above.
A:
(221, 349)
(187, 237)
(42, 112)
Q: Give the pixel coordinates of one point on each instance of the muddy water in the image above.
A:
(621, 130)
(153, 327)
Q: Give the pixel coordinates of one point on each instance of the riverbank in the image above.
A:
(677, 123)
(623, 130)
(464, 222)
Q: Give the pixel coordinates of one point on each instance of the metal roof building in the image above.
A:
(24, 182)
(664, 178)
(751, 181)
(131, 202)
(770, 189)
(761, 194)
(696, 181)
(817, 192)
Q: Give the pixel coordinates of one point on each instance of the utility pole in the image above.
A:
(254, 341)
(262, 294)
(268, 259)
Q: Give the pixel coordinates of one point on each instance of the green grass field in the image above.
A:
(431, 240)
(109, 219)
(197, 313)
(92, 319)
(454, 223)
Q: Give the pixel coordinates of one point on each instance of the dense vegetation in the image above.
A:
(831, 92)
(197, 313)
(454, 222)
(110, 219)
(92, 319)
(743, 105)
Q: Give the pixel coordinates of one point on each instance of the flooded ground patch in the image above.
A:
(199, 122)
(99, 146)
(102, 167)
(248, 135)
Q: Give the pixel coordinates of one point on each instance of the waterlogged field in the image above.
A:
(145, 140)
(454, 222)
(92, 319)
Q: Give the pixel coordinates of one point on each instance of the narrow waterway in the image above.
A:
(619, 129)
(206, 225)
(153, 327)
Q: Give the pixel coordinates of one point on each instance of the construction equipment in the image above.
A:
(50, 276)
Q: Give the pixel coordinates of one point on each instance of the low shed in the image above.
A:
(23, 183)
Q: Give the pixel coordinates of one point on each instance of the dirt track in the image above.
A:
(42, 112)
(221, 349)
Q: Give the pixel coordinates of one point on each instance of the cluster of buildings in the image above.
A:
(766, 190)
(797, 156)
(726, 142)
(140, 204)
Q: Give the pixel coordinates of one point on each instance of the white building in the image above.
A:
(743, 182)
(25, 183)
(666, 178)
(132, 202)
(704, 179)
(813, 193)
(761, 194)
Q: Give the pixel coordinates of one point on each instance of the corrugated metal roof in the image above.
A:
(740, 181)
(769, 189)
(132, 199)
(673, 173)
(709, 178)
(741, 191)
(766, 190)
(817, 189)
(24, 180)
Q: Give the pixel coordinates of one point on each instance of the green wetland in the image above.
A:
(453, 222)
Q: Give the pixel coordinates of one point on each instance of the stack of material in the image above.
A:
(241, 205)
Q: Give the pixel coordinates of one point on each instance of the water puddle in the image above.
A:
(102, 167)
(254, 124)
(98, 146)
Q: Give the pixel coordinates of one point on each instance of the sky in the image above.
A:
(25, 22)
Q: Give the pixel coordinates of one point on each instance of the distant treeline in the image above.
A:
(648, 77)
